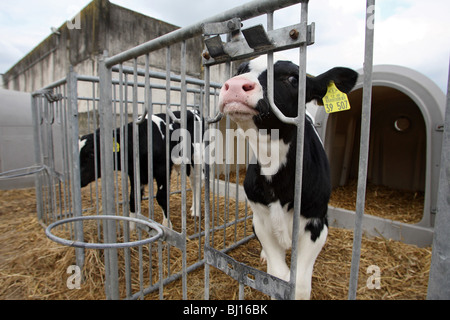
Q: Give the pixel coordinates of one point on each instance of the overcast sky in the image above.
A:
(411, 33)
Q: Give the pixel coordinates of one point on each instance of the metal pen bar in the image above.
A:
(299, 148)
(206, 110)
(186, 147)
(49, 157)
(439, 280)
(63, 107)
(228, 73)
(50, 86)
(246, 11)
(149, 107)
(169, 114)
(153, 86)
(125, 204)
(160, 284)
(37, 157)
(75, 165)
(159, 75)
(364, 149)
(136, 144)
(107, 167)
(96, 146)
(137, 167)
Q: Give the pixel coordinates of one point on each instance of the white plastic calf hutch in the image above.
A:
(405, 146)
(127, 86)
(16, 140)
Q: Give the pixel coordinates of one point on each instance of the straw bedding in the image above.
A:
(34, 267)
(399, 205)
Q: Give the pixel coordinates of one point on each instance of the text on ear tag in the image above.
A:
(335, 100)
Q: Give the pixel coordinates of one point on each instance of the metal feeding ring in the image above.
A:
(79, 244)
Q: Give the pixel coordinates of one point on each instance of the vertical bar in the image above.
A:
(124, 176)
(185, 152)
(49, 158)
(227, 164)
(241, 291)
(44, 142)
(107, 167)
(37, 157)
(236, 213)
(439, 281)
(137, 170)
(65, 141)
(167, 135)
(207, 182)
(216, 174)
(149, 107)
(136, 159)
(75, 165)
(364, 149)
(160, 271)
(95, 112)
(226, 209)
(198, 167)
(300, 146)
(42, 128)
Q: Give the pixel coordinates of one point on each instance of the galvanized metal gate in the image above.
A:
(127, 89)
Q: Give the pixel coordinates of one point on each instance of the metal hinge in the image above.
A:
(252, 41)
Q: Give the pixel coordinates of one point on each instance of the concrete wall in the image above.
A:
(102, 26)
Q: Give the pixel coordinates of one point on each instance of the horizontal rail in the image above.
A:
(21, 172)
(162, 76)
(245, 12)
(50, 86)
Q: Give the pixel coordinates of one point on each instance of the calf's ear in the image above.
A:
(344, 78)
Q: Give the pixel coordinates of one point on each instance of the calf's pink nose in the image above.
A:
(238, 86)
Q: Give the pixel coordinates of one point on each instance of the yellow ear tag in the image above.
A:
(335, 100)
(116, 146)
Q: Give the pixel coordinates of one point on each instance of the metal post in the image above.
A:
(136, 151)
(206, 112)
(167, 133)
(75, 157)
(149, 108)
(49, 157)
(300, 148)
(186, 147)
(37, 157)
(364, 148)
(107, 167)
(439, 281)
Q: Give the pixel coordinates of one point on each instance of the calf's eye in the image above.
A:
(293, 80)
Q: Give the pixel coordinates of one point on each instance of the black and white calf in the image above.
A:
(270, 187)
(193, 167)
